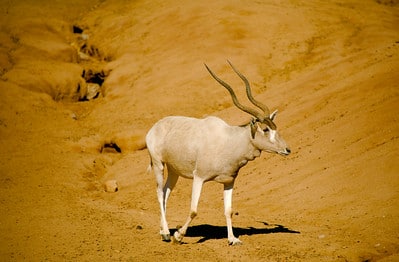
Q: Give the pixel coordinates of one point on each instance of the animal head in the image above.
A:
(264, 134)
(265, 138)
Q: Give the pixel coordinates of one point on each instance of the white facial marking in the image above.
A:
(261, 130)
(272, 135)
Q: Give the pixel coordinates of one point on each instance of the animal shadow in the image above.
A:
(208, 232)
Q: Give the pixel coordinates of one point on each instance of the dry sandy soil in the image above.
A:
(330, 67)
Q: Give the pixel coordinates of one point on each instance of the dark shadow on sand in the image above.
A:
(220, 232)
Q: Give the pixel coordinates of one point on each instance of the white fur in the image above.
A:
(272, 135)
(204, 150)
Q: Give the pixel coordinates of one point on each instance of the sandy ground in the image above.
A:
(330, 67)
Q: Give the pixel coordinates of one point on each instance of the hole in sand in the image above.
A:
(110, 148)
(94, 77)
(77, 30)
(94, 80)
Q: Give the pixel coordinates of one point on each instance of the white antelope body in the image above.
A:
(209, 150)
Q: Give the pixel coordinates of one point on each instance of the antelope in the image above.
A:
(209, 149)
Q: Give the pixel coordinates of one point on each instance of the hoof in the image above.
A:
(235, 242)
(165, 237)
(175, 241)
(177, 238)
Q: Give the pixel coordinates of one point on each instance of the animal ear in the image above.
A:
(273, 115)
(254, 127)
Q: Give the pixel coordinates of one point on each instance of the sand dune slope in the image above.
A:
(82, 82)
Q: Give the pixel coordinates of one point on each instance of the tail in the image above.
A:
(149, 168)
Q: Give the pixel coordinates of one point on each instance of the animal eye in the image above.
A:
(266, 130)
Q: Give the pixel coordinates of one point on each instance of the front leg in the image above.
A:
(228, 197)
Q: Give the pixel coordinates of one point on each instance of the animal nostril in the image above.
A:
(288, 150)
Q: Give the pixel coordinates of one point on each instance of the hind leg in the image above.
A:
(158, 172)
(163, 193)
(167, 189)
(169, 185)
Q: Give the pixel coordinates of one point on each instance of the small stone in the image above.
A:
(83, 56)
(93, 91)
(84, 37)
(111, 186)
(73, 116)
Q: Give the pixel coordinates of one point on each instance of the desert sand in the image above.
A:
(81, 82)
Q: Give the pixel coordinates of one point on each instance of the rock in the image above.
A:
(74, 116)
(111, 186)
(83, 56)
(93, 91)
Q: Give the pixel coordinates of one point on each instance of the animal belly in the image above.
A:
(185, 171)
(181, 161)
(224, 179)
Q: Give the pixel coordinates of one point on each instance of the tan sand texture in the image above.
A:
(81, 82)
